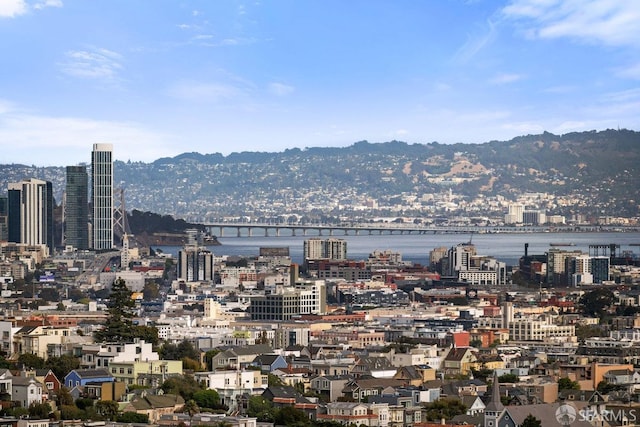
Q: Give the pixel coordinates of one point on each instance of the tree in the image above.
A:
(261, 408)
(107, 409)
(119, 324)
(290, 416)
(184, 385)
(605, 387)
(444, 408)
(531, 421)
(39, 410)
(29, 360)
(62, 365)
(207, 399)
(190, 408)
(183, 349)
(63, 397)
(596, 302)
(132, 417)
(508, 378)
(566, 384)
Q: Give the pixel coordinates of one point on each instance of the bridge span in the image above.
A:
(268, 230)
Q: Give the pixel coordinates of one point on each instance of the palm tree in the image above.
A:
(191, 408)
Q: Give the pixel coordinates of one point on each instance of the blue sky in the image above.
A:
(158, 78)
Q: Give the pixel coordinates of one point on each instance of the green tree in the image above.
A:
(184, 385)
(605, 387)
(84, 403)
(179, 351)
(62, 365)
(107, 409)
(207, 399)
(72, 412)
(508, 378)
(119, 324)
(39, 410)
(31, 361)
(596, 302)
(132, 417)
(63, 397)
(444, 408)
(261, 408)
(291, 417)
(531, 421)
(190, 408)
(567, 384)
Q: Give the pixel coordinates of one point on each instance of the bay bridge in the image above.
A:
(221, 229)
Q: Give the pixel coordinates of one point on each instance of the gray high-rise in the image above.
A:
(77, 208)
(102, 195)
(30, 211)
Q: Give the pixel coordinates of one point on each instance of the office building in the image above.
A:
(102, 195)
(317, 248)
(195, 264)
(4, 219)
(30, 212)
(76, 208)
(515, 215)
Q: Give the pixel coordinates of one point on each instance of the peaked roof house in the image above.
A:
(81, 377)
(549, 414)
(26, 390)
(5, 384)
(282, 396)
(155, 406)
(239, 357)
(459, 361)
(415, 375)
(269, 362)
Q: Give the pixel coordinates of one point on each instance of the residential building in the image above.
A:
(30, 212)
(26, 390)
(76, 208)
(102, 196)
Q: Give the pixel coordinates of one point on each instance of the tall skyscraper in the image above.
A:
(102, 195)
(77, 207)
(4, 219)
(30, 211)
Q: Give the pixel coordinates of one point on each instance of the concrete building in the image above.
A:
(76, 208)
(30, 212)
(102, 196)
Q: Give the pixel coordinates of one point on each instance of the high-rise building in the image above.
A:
(102, 195)
(76, 209)
(30, 211)
(4, 219)
(317, 248)
(195, 264)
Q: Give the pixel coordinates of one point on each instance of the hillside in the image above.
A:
(599, 171)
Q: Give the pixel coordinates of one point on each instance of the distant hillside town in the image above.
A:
(98, 327)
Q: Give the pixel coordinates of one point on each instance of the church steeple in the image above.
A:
(494, 408)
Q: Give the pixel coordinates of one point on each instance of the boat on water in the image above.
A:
(562, 244)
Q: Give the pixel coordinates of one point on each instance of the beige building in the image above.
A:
(146, 373)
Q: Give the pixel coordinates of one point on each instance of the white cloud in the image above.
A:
(12, 8)
(476, 42)
(59, 141)
(280, 89)
(630, 72)
(48, 3)
(96, 63)
(609, 22)
(505, 79)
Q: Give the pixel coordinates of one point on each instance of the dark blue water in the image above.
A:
(507, 247)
